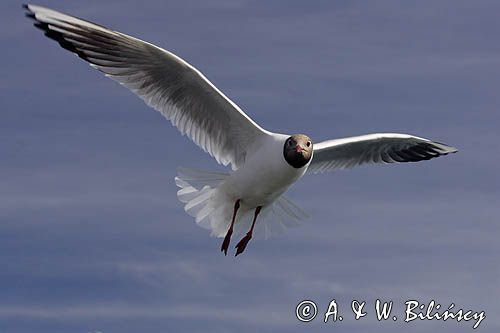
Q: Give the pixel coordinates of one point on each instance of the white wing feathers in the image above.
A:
(164, 81)
(374, 148)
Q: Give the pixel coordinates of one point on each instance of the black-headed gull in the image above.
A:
(264, 164)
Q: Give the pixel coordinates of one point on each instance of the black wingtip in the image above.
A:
(29, 13)
(451, 150)
(40, 25)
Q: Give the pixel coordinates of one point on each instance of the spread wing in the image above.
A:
(164, 81)
(374, 148)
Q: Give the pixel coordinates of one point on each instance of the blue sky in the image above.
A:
(93, 239)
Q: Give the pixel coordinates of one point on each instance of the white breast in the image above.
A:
(264, 176)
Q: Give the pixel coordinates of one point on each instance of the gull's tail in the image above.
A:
(212, 210)
(198, 190)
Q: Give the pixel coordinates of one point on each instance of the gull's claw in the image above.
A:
(225, 243)
(242, 244)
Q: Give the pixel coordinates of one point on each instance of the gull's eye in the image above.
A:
(308, 143)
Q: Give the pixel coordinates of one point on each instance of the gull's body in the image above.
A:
(261, 180)
(264, 164)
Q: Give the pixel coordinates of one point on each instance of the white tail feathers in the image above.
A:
(198, 190)
(213, 210)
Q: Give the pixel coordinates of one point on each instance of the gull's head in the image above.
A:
(298, 150)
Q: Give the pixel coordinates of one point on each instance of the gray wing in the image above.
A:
(164, 81)
(374, 148)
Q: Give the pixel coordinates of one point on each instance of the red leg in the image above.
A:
(227, 239)
(242, 244)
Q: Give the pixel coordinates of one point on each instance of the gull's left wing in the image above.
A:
(374, 148)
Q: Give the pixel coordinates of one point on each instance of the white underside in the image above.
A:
(210, 196)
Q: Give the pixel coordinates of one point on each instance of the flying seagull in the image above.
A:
(264, 164)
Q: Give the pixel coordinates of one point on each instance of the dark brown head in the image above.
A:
(298, 150)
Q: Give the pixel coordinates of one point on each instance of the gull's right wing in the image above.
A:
(164, 81)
